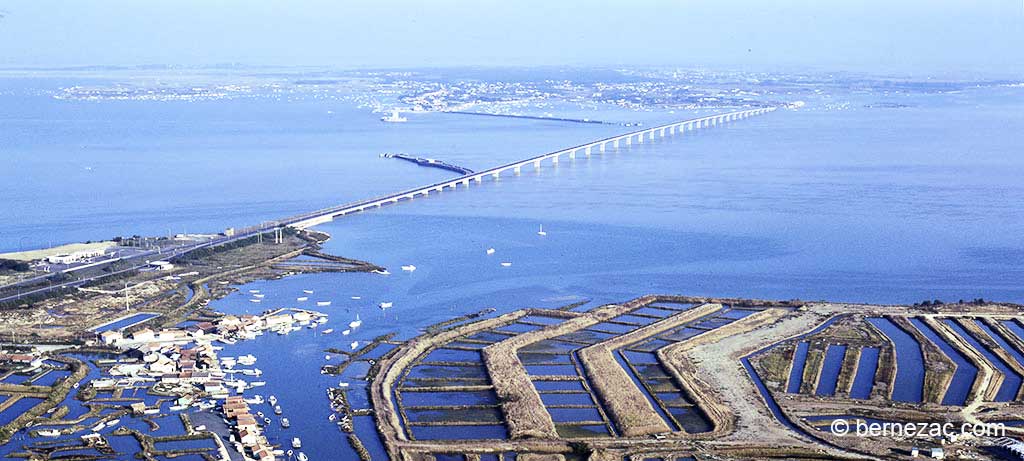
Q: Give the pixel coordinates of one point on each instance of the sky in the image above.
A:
(882, 36)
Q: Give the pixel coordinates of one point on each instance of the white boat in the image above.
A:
(329, 331)
(266, 421)
(354, 344)
(98, 427)
(256, 399)
(254, 291)
(199, 428)
(75, 385)
(247, 359)
(302, 298)
(285, 423)
(332, 417)
(323, 303)
(382, 272)
(327, 357)
(258, 296)
(255, 300)
(178, 407)
(394, 117)
(357, 297)
(355, 323)
(408, 268)
(346, 332)
(151, 411)
(49, 432)
(490, 251)
(113, 422)
(386, 305)
(302, 457)
(296, 443)
(541, 231)
(343, 384)
(308, 292)
(277, 410)
(257, 384)
(506, 264)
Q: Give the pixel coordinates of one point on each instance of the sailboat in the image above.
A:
(346, 332)
(355, 344)
(408, 268)
(355, 323)
(386, 305)
(490, 251)
(506, 264)
(541, 231)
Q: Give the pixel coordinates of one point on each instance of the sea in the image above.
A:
(860, 193)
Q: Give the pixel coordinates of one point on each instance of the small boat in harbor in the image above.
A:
(308, 292)
(354, 344)
(302, 298)
(255, 300)
(285, 423)
(296, 443)
(342, 384)
(302, 457)
(254, 291)
(272, 400)
(490, 251)
(258, 296)
(346, 332)
(408, 268)
(323, 303)
(277, 410)
(355, 323)
(541, 231)
(382, 272)
(49, 432)
(386, 305)
(266, 421)
(506, 264)
(357, 297)
(254, 400)
(329, 331)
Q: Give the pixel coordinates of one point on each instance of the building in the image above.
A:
(75, 256)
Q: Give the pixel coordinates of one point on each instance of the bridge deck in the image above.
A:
(328, 214)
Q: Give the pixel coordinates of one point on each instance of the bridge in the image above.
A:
(313, 218)
(640, 136)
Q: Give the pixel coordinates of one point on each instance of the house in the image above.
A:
(938, 453)
(144, 334)
(247, 437)
(111, 337)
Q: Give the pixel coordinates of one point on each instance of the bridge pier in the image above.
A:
(587, 150)
(479, 179)
(616, 144)
(496, 174)
(518, 169)
(465, 183)
(554, 160)
(572, 154)
(629, 140)
(651, 134)
(536, 164)
(640, 138)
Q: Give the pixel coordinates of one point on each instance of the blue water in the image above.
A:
(909, 383)
(864, 380)
(125, 322)
(1003, 343)
(796, 374)
(830, 369)
(712, 213)
(1015, 327)
(963, 378)
(1011, 381)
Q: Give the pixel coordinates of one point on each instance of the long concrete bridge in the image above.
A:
(328, 214)
(601, 145)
